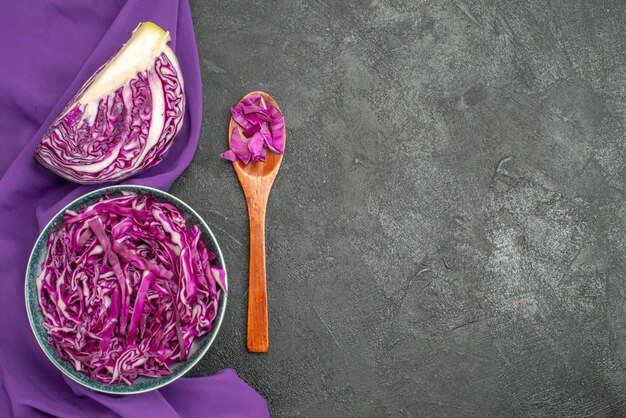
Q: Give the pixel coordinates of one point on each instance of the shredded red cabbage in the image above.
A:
(127, 288)
(263, 129)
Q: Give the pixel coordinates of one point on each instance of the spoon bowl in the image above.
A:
(272, 162)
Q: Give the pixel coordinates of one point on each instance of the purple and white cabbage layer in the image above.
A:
(124, 117)
(126, 288)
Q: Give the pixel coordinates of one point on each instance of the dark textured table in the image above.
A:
(446, 234)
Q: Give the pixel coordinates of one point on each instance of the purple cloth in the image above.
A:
(48, 49)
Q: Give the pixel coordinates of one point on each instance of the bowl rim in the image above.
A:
(188, 365)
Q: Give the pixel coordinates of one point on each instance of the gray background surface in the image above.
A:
(446, 234)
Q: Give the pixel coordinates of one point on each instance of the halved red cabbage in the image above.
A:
(262, 126)
(124, 117)
(127, 288)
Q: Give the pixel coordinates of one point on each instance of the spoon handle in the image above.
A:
(258, 339)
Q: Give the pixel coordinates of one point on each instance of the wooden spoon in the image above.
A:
(256, 181)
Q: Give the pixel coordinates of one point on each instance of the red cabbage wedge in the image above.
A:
(126, 288)
(124, 117)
